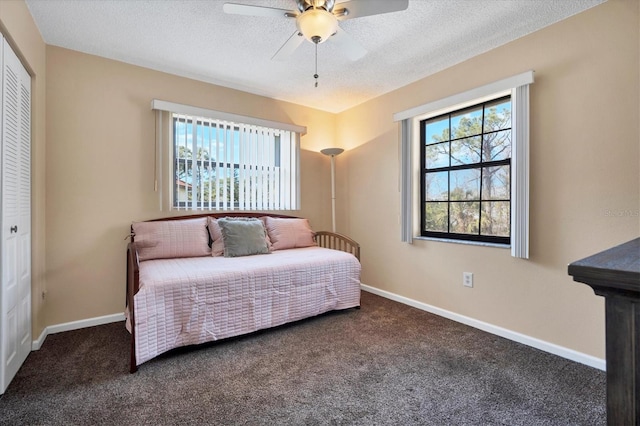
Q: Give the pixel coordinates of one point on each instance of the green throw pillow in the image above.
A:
(243, 237)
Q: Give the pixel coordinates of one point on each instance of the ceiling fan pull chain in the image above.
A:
(316, 74)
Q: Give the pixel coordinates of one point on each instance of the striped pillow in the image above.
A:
(217, 245)
(171, 238)
(286, 233)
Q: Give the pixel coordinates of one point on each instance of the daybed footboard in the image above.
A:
(332, 240)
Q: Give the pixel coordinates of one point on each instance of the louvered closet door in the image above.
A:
(16, 216)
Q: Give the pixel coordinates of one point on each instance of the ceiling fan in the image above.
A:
(317, 21)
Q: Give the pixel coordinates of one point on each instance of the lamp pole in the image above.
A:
(332, 152)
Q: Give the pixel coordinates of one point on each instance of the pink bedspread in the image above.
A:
(195, 300)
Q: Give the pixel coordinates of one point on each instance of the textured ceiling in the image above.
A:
(196, 39)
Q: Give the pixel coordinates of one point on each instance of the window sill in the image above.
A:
(470, 243)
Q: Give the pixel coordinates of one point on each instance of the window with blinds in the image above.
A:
(224, 165)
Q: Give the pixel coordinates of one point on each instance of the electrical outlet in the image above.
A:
(467, 279)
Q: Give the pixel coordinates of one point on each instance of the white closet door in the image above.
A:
(15, 234)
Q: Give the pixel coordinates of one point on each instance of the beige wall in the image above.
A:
(17, 25)
(585, 181)
(100, 169)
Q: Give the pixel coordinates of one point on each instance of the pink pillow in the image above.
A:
(217, 247)
(269, 244)
(287, 233)
(171, 238)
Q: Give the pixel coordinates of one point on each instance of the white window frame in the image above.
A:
(251, 131)
(518, 87)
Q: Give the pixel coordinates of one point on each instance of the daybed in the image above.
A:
(196, 279)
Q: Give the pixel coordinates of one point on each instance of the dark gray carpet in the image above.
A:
(386, 363)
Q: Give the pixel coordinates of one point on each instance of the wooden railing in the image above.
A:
(336, 241)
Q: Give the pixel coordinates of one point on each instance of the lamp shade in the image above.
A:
(332, 151)
(317, 23)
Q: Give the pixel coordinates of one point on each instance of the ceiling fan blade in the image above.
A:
(245, 9)
(349, 46)
(288, 47)
(360, 8)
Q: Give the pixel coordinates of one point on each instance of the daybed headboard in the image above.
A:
(225, 214)
(324, 239)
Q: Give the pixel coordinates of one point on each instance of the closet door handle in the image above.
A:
(14, 229)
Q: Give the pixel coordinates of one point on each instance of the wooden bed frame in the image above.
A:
(324, 239)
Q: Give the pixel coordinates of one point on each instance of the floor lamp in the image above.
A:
(332, 152)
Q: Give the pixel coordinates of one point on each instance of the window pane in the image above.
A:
(465, 217)
(466, 123)
(436, 217)
(183, 171)
(183, 185)
(224, 186)
(496, 218)
(465, 151)
(495, 183)
(497, 146)
(437, 130)
(437, 186)
(436, 155)
(497, 115)
(465, 184)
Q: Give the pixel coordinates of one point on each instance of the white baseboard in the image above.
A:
(489, 328)
(74, 325)
(494, 329)
(37, 344)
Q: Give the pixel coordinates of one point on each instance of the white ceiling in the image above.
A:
(196, 39)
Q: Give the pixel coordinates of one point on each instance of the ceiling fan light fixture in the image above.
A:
(317, 25)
